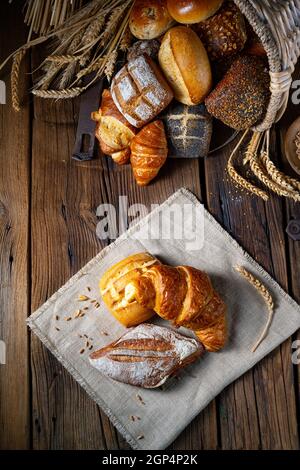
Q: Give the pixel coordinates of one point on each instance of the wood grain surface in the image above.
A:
(48, 232)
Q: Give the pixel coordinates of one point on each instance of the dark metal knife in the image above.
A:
(89, 102)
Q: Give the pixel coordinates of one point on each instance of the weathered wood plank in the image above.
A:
(62, 242)
(256, 411)
(14, 245)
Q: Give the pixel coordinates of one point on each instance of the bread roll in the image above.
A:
(149, 19)
(188, 130)
(113, 131)
(140, 91)
(146, 356)
(241, 98)
(224, 34)
(192, 11)
(185, 64)
(112, 288)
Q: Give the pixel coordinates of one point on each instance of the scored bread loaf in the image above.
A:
(149, 19)
(149, 151)
(146, 356)
(113, 131)
(188, 130)
(223, 34)
(185, 63)
(140, 91)
(241, 98)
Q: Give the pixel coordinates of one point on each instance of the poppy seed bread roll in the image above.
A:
(185, 64)
(188, 130)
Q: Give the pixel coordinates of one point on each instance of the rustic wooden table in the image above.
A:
(47, 233)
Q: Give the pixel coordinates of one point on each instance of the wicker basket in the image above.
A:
(277, 23)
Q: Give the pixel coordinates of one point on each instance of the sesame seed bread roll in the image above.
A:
(185, 64)
(224, 34)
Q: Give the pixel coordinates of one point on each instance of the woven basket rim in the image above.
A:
(264, 32)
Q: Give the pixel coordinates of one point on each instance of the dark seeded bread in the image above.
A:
(241, 98)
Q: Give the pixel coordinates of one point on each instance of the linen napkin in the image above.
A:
(70, 325)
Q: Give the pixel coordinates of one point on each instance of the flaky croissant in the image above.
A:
(185, 296)
(140, 285)
(149, 151)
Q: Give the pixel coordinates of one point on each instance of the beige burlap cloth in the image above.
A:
(165, 413)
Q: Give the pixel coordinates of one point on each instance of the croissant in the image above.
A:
(149, 151)
(113, 131)
(112, 288)
(185, 296)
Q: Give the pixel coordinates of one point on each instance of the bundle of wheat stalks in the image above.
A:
(89, 40)
(43, 16)
(257, 156)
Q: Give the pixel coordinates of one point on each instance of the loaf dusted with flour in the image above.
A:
(146, 356)
(140, 91)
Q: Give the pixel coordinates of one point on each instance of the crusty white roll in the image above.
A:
(185, 64)
(192, 11)
(149, 19)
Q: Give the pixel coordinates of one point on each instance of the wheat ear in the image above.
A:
(261, 288)
(59, 94)
(278, 176)
(110, 64)
(15, 74)
(258, 171)
(62, 59)
(240, 180)
(126, 40)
